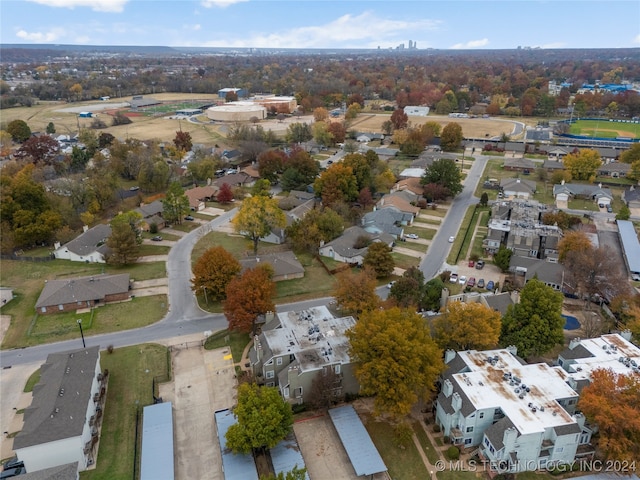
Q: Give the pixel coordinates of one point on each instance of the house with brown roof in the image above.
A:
(401, 201)
(89, 247)
(71, 294)
(285, 265)
(519, 164)
(199, 195)
(411, 184)
(235, 180)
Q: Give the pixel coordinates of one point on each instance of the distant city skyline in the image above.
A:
(453, 24)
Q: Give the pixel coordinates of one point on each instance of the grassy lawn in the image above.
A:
(237, 342)
(163, 234)
(235, 244)
(582, 204)
(438, 212)
(428, 448)
(39, 329)
(131, 372)
(463, 239)
(146, 250)
(603, 128)
(315, 283)
(456, 475)
(403, 463)
(404, 261)
(418, 247)
(31, 381)
(430, 221)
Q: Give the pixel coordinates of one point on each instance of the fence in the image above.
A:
(20, 258)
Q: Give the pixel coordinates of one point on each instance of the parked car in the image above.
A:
(452, 239)
(188, 217)
(609, 209)
(471, 282)
(462, 279)
(471, 263)
(481, 283)
(12, 472)
(453, 278)
(490, 285)
(480, 264)
(412, 236)
(157, 238)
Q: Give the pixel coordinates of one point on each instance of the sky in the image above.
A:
(443, 24)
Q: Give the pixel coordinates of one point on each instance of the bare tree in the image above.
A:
(326, 388)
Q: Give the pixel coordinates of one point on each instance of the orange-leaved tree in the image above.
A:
(248, 296)
(356, 292)
(213, 271)
(612, 402)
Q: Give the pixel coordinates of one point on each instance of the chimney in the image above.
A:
(85, 228)
(574, 343)
(513, 350)
(447, 388)
(449, 355)
(456, 402)
(562, 182)
(56, 245)
(626, 334)
(579, 418)
(509, 438)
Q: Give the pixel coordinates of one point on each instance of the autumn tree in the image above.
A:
(257, 218)
(396, 359)
(225, 194)
(248, 296)
(451, 137)
(573, 241)
(300, 170)
(5, 143)
(631, 155)
(271, 164)
(379, 259)
(465, 326)
(535, 324)
(263, 419)
(338, 132)
(175, 204)
(399, 119)
(19, 130)
(336, 184)
(213, 271)
(356, 292)
(40, 149)
(612, 402)
(408, 290)
(124, 241)
(120, 119)
(321, 134)
(584, 164)
(316, 226)
(183, 141)
(445, 173)
(320, 114)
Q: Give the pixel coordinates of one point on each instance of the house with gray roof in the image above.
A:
(151, 214)
(88, 247)
(345, 248)
(526, 268)
(61, 425)
(285, 265)
(614, 169)
(631, 197)
(296, 348)
(553, 166)
(62, 472)
(519, 164)
(564, 191)
(71, 294)
(390, 220)
(515, 414)
(517, 188)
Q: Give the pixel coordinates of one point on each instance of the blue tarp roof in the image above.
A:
(630, 245)
(356, 441)
(157, 443)
(234, 466)
(286, 455)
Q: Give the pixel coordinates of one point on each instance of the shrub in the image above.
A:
(446, 439)
(153, 228)
(298, 408)
(453, 453)
(402, 434)
(436, 428)
(110, 349)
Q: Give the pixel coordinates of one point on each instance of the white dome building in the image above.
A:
(236, 112)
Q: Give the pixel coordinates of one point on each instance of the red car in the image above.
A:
(471, 263)
(471, 282)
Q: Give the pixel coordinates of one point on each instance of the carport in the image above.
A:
(356, 441)
(234, 466)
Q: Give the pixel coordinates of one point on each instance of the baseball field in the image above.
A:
(605, 129)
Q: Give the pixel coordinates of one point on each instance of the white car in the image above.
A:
(462, 280)
(453, 278)
(412, 236)
(452, 239)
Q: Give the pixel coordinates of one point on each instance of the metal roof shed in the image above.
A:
(286, 455)
(234, 466)
(630, 245)
(356, 441)
(157, 443)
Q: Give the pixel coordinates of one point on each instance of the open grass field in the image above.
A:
(605, 129)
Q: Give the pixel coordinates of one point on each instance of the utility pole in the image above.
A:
(81, 333)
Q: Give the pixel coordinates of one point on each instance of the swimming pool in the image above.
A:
(571, 323)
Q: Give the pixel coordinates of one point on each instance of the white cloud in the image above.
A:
(220, 3)
(41, 37)
(194, 27)
(636, 39)
(96, 5)
(471, 44)
(554, 45)
(347, 31)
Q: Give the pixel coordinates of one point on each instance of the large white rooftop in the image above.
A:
(527, 394)
(610, 351)
(314, 336)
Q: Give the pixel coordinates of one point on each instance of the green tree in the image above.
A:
(484, 199)
(465, 326)
(361, 169)
(432, 294)
(624, 213)
(408, 290)
(263, 419)
(445, 173)
(631, 155)
(396, 359)
(534, 325)
(257, 218)
(262, 187)
(451, 137)
(213, 271)
(294, 474)
(51, 128)
(298, 133)
(316, 226)
(584, 164)
(502, 258)
(175, 204)
(124, 241)
(19, 130)
(379, 258)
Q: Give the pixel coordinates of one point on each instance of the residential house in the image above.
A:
(631, 197)
(565, 191)
(61, 425)
(614, 169)
(608, 154)
(385, 152)
(72, 294)
(89, 247)
(413, 172)
(366, 137)
(199, 195)
(344, 249)
(151, 215)
(404, 201)
(630, 247)
(285, 265)
(412, 184)
(514, 147)
(517, 188)
(252, 171)
(496, 301)
(519, 165)
(389, 219)
(232, 157)
(6, 295)
(295, 348)
(68, 471)
(553, 166)
(516, 414)
(558, 153)
(526, 268)
(235, 180)
(517, 224)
